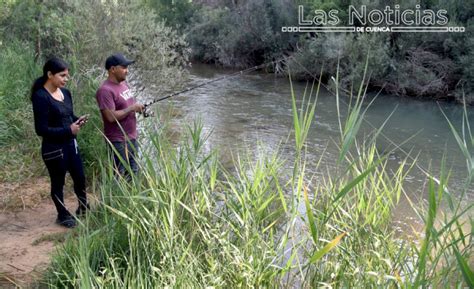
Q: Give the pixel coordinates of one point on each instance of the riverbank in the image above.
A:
(29, 234)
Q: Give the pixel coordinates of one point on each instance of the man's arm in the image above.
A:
(117, 115)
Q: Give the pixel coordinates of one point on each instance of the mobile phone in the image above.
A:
(83, 119)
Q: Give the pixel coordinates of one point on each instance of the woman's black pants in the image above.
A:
(59, 159)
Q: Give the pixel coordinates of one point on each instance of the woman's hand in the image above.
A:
(75, 128)
(82, 120)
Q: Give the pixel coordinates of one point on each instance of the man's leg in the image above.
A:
(132, 146)
(120, 157)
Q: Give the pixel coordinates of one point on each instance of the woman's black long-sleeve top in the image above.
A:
(53, 118)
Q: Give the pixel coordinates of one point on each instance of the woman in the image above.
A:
(56, 123)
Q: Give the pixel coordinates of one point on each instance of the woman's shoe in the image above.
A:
(67, 221)
(81, 210)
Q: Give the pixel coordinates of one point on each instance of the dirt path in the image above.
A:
(28, 233)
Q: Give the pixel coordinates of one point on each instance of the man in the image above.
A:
(118, 107)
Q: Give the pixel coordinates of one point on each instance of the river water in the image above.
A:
(254, 111)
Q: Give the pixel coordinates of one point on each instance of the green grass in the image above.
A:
(19, 157)
(56, 238)
(170, 227)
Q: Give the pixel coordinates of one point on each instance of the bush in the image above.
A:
(422, 74)
(105, 27)
(175, 13)
(243, 35)
(349, 51)
(466, 85)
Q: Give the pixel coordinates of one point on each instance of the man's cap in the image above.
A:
(117, 59)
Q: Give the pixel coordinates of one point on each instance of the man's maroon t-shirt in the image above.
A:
(117, 96)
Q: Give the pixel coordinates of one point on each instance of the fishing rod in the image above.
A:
(241, 72)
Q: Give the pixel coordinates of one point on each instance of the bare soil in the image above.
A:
(28, 232)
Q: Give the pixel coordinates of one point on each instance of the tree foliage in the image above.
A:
(85, 32)
(241, 34)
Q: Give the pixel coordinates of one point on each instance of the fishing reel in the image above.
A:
(147, 112)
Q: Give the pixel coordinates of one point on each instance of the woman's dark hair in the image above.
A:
(53, 65)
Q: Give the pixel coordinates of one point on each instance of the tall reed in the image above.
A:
(186, 221)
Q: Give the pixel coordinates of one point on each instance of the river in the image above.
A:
(254, 111)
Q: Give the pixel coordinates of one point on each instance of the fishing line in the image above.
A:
(241, 72)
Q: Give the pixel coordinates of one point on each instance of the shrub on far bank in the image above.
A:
(350, 51)
(243, 34)
(466, 85)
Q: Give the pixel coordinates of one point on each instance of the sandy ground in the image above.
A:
(28, 233)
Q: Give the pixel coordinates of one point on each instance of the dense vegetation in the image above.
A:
(244, 33)
(83, 33)
(186, 221)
